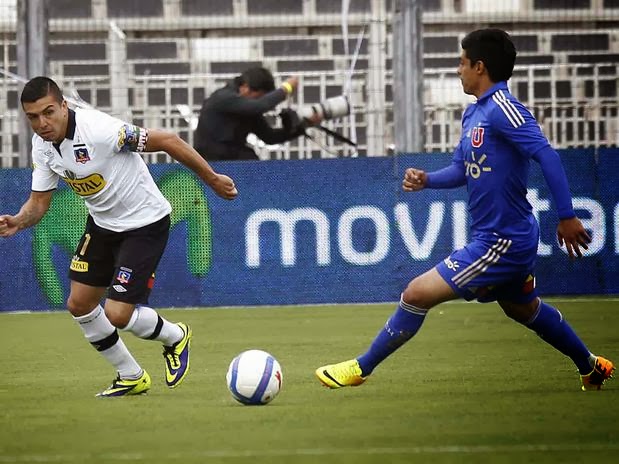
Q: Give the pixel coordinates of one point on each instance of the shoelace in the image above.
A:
(168, 352)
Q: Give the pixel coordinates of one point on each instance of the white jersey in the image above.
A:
(98, 160)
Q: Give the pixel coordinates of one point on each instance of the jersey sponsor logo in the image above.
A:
(474, 167)
(119, 288)
(90, 185)
(81, 154)
(78, 266)
(477, 137)
(131, 138)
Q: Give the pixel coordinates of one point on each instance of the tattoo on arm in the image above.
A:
(31, 213)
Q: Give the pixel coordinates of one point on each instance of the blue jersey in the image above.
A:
(499, 139)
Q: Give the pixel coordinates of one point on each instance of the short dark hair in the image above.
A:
(495, 48)
(258, 79)
(39, 87)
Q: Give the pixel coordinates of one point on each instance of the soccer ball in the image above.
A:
(254, 377)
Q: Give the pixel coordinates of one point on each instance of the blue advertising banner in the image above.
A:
(316, 231)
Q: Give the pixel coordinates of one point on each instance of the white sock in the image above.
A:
(146, 323)
(101, 334)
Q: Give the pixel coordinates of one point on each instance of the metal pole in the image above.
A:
(32, 39)
(119, 73)
(377, 47)
(408, 109)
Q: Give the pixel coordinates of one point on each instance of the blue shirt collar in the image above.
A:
(502, 85)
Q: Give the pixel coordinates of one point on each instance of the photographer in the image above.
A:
(234, 111)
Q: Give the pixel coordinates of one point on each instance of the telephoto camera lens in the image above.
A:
(334, 107)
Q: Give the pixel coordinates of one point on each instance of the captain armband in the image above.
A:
(132, 138)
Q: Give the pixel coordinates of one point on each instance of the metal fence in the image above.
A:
(154, 61)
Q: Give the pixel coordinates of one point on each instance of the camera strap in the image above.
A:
(337, 136)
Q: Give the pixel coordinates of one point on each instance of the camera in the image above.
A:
(334, 107)
(295, 122)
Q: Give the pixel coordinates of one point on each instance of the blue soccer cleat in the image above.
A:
(177, 358)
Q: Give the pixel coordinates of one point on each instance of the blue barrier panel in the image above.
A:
(314, 231)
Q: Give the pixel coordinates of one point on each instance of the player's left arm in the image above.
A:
(520, 128)
(181, 151)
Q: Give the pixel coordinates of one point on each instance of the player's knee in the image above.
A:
(79, 306)
(118, 314)
(415, 295)
(520, 312)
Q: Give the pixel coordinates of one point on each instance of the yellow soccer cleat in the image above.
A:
(126, 387)
(177, 358)
(344, 374)
(602, 371)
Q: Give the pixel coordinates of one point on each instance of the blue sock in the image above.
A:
(400, 328)
(549, 324)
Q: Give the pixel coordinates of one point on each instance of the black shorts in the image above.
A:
(124, 262)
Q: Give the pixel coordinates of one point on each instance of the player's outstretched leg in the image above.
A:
(103, 336)
(147, 324)
(401, 326)
(549, 324)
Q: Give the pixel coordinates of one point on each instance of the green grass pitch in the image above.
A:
(472, 386)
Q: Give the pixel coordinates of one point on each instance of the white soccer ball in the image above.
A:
(254, 377)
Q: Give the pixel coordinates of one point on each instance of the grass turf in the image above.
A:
(472, 386)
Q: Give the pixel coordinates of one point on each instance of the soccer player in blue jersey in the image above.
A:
(499, 138)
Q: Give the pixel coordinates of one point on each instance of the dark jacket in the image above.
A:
(226, 118)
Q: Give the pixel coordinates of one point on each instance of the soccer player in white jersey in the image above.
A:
(126, 229)
(499, 139)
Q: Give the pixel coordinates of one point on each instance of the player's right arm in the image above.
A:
(30, 214)
(44, 183)
(451, 176)
(414, 180)
(181, 151)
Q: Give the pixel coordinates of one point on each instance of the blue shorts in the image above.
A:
(492, 268)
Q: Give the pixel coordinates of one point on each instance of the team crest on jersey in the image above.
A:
(81, 153)
(124, 275)
(477, 137)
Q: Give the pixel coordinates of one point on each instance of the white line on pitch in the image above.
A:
(432, 450)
